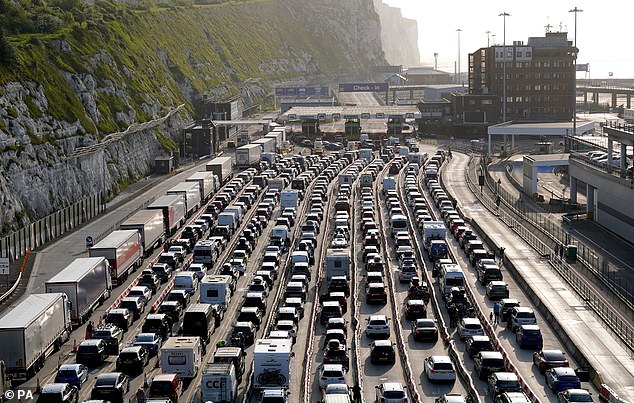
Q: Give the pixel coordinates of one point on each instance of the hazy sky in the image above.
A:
(604, 29)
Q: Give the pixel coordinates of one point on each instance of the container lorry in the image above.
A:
(267, 145)
(173, 209)
(191, 192)
(207, 182)
(289, 199)
(389, 183)
(31, 331)
(182, 355)
(124, 253)
(248, 155)
(221, 167)
(218, 383)
(87, 282)
(243, 138)
(272, 363)
(337, 263)
(229, 219)
(433, 230)
(150, 225)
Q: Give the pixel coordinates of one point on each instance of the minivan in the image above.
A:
(136, 306)
(166, 386)
(251, 314)
(187, 281)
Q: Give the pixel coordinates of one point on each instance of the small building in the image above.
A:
(164, 165)
(427, 76)
(199, 139)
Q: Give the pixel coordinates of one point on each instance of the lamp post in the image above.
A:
(458, 78)
(575, 10)
(488, 38)
(504, 15)
(435, 60)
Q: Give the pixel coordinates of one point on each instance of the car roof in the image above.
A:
(497, 282)
(91, 342)
(479, 338)
(471, 321)
(66, 367)
(392, 386)
(164, 377)
(382, 343)
(415, 302)
(109, 375)
(426, 321)
(332, 367)
(564, 371)
(134, 349)
(529, 327)
(440, 358)
(516, 397)
(491, 354)
(54, 388)
(378, 317)
(505, 376)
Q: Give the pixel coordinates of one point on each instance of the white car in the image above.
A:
(337, 389)
(470, 327)
(378, 327)
(239, 265)
(331, 373)
(391, 392)
(288, 326)
(199, 269)
(179, 251)
(339, 241)
(439, 368)
(140, 291)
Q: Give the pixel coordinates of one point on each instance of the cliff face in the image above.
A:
(399, 36)
(128, 65)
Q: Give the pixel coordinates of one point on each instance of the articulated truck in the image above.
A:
(150, 225)
(222, 167)
(124, 252)
(86, 282)
(33, 330)
(191, 192)
(173, 209)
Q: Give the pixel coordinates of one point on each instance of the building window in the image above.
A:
(546, 64)
(518, 65)
(487, 102)
(529, 53)
(538, 87)
(519, 53)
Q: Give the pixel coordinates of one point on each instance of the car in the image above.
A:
(73, 374)
(382, 352)
(151, 341)
(574, 396)
(150, 280)
(339, 284)
(488, 362)
(337, 389)
(331, 373)
(173, 309)
(425, 330)
(529, 336)
(337, 355)
(475, 344)
(439, 368)
(415, 309)
(470, 327)
(132, 360)
(506, 305)
(112, 335)
(295, 303)
(450, 398)
(140, 291)
(497, 290)
(562, 378)
(512, 397)
(520, 315)
(378, 327)
(136, 305)
(274, 395)
(120, 317)
(163, 271)
(391, 392)
(91, 351)
(111, 386)
(198, 268)
(546, 359)
(375, 292)
(247, 329)
(501, 382)
(59, 392)
(288, 326)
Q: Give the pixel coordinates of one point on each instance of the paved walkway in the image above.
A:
(579, 329)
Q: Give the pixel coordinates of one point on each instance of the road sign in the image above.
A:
(363, 87)
(4, 265)
(89, 241)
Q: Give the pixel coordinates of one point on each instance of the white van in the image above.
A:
(451, 275)
(186, 280)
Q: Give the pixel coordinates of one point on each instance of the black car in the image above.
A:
(111, 386)
(159, 323)
(425, 330)
(337, 356)
(339, 284)
(132, 360)
(180, 296)
(162, 271)
(120, 317)
(173, 309)
(415, 309)
(91, 352)
(382, 352)
(475, 344)
(112, 335)
(247, 329)
(151, 281)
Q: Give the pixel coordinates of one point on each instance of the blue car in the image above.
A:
(529, 336)
(74, 374)
(562, 378)
(151, 341)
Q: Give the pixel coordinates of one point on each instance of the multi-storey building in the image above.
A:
(539, 77)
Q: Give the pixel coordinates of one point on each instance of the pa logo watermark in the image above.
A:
(19, 394)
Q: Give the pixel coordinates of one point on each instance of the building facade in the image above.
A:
(539, 77)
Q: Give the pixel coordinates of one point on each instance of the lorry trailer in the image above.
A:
(267, 145)
(191, 192)
(248, 155)
(150, 225)
(222, 167)
(86, 282)
(208, 183)
(173, 209)
(123, 250)
(31, 331)
(219, 383)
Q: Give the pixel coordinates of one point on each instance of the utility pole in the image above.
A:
(435, 60)
(458, 77)
(504, 15)
(488, 37)
(575, 10)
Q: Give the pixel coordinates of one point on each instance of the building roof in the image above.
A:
(424, 71)
(351, 112)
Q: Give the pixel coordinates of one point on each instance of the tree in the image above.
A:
(8, 55)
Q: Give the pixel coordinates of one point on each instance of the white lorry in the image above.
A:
(31, 331)
(221, 167)
(366, 154)
(267, 145)
(216, 290)
(229, 219)
(182, 355)
(433, 230)
(272, 363)
(207, 182)
(124, 252)
(337, 263)
(389, 183)
(218, 383)
(248, 155)
(150, 225)
(289, 199)
(173, 209)
(86, 282)
(191, 192)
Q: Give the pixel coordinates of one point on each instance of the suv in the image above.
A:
(378, 327)
(475, 344)
(274, 396)
(529, 336)
(247, 329)
(111, 335)
(59, 392)
(158, 323)
(251, 314)
(520, 315)
(500, 382)
(488, 270)
(488, 362)
(120, 317)
(470, 327)
(376, 293)
(340, 284)
(136, 305)
(165, 386)
(382, 352)
(391, 391)
(163, 271)
(132, 360)
(92, 351)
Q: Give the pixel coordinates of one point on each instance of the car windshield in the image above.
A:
(128, 356)
(553, 356)
(493, 362)
(443, 366)
(67, 373)
(394, 394)
(101, 334)
(580, 397)
(145, 338)
(568, 378)
(87, 349)
(332, 374)
(105, 382)
(50, 398)
(508, 385)
(160, 388)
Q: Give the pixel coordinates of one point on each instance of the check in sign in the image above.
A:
(4, 265)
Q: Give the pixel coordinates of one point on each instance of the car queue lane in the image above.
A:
(419, 349)
(521, 359)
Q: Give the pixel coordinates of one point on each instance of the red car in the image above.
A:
(546, 359)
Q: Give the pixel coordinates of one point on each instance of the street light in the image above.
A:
(575, 10)
(488, 38)
(504, 15)
(458, 78)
